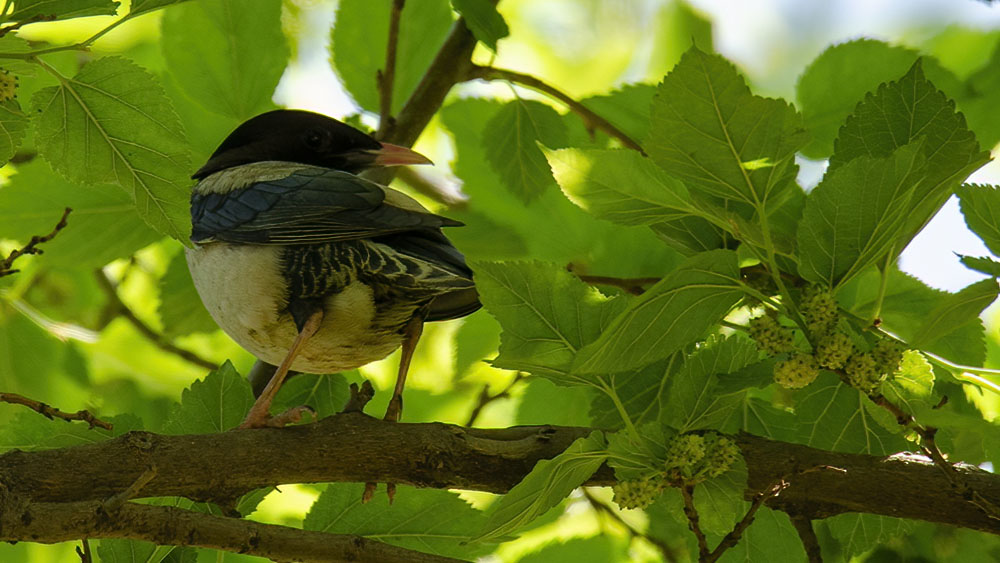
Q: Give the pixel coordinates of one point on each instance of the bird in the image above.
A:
(311, 267)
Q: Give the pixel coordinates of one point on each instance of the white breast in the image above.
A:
(244, 292)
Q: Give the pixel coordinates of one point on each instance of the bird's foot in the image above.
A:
(395, 409)
(262, 419)
(390, 490)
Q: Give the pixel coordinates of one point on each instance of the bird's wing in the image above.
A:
(307, 206)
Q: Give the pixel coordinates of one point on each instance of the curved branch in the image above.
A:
(590, 119)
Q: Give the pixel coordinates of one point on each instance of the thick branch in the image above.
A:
(353, 447)
(47, 522)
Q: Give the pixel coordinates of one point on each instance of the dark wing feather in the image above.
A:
(312, 205)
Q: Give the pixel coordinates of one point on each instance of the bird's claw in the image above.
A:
(265, 420)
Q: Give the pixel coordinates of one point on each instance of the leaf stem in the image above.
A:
(613, 395)
(883, 286)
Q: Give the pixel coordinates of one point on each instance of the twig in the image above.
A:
(590, 119)
(633, 286)
(485, 398)
(687, 492)
(386, 78)
(85, 555)
(669, 553)
(807, 535)
(115, 502)
(52, 412)
(32, 246)
(155, 337)
(733, 537)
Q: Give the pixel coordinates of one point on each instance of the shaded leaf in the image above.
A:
(47, 10)
(225, 56)
(217, 403)
(180, 308)
(771, 537)
(667, 317)
(958, 310)
(980, 205)
(545, 486)
(627, 108)
(132, 551)
(511, 139)
(547, 315)
(712, 133)
(483, 20)
(858, 533)
(425, 520)
(13, 125)
(327, 394)
(112, 123)
(856, 215)
(833, 417)
(983, 264)
(31, 431)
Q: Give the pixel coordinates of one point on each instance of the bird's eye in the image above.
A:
(315, 139)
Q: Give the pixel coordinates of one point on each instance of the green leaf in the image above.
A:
(112, 123)
(48, 10)
(641, 393)
(13, 125)
(224, 56)
(143, 6)
(214, 404)
(679, 309)
(983, 264)
(545, 486)
(711, 132)
(359, 41)
(771, 537)
(691, 235)
(511, 141)
(978, 105)
(619, 185)
(627, 108)
(834, 83)
(30, 431)
(833, 417)
(859, 533)
(980, 205)
(326, 394)
(719, 501)
(604, 548)
(102, 227)
(912, 386)
(131, 551)
(898, 114)
(855, 216)
(547, 315)
(483, 20)
(425, 520)
(544, 402)
(180, 306)
(958, 310)
(693, 401)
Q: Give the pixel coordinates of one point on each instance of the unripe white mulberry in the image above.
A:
(832, 351)
(863, 372)
(796, 372)
(685, 451)
(637, 493)
(770, 335)
(887, 355)
(722, 454)
(819, 310)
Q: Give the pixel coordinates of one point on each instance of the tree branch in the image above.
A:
(161, 341)
(387, 77)
(47, 522)
(52, 412)
(32, 246)
(353, 447)
(590, 119)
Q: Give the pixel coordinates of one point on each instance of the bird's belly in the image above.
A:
(244, 291)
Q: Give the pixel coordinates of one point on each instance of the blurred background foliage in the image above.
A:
(107, 319)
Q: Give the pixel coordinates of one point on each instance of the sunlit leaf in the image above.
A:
(47, 10)
(217, 403)
(112, 124)
(483, 20)
(957, 311)
(980, 205)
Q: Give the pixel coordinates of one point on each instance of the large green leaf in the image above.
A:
(899, 113)
(112, 123)
(671, 314)
(132, 551)
(771, 537)
(955, 312)
(619, 185)
(430, 521)
(981, 207)
(693, 400)
(859, 533)
(855, 216)
(214, 404)
(511, 140)
(13, 125)
(545, 486)
(833, 417)
(834, 83)
(711, 132)
(102, 227)
(359, 41)
(626, 108)
(547, 315)
(226, 56)
(483, 20)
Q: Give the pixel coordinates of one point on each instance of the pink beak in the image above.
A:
(395, 155)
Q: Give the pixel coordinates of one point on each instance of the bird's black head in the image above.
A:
(307, 138)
